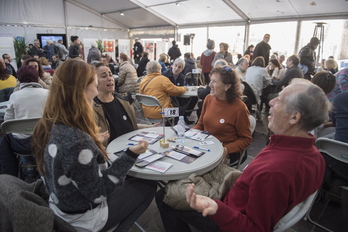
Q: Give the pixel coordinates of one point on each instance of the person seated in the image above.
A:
(27, 102)
(8, 66)
(176, 76)
(106, 60)
(142, 64)
(44, 62)
(242, 66)
(6, 80)
(45, 78)
(189, 63)
(292, 71)
(83, 190)
(159, 86)
(279, 177)
(162, 60)
(256, 76)
(56, 61)
(231, 127)
(114, 115)
(331, 65)
(275, 70)
(341, 84)
(127, 77)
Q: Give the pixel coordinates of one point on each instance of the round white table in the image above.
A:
(191, 92)
(179, 170)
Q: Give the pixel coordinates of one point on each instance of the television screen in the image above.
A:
(54, 37)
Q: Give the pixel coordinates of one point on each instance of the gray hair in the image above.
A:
(153, 67)
(220, 63)
(94, 44)
(210, 44)
(241, 61)
(179, 61)
(310, 101)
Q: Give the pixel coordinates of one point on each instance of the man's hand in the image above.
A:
(200, 203)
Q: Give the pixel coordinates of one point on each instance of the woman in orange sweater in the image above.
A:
(224, 114)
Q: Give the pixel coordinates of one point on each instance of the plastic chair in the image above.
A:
(244, 153)
(191, 79)
(252, 99)
(295, 215)
(22, 126)
(339, 151)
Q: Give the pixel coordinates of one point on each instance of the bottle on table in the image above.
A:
(181, 130)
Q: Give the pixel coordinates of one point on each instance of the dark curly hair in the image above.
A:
(228, 76)
(27, 74)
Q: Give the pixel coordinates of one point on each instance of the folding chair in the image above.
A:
(338, 151)
(295, 215)
(21, 126)
(252, 99)
(191, 79)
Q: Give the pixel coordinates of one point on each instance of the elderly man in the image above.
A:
(262, 48)
(281, 176)
(154, 84)
(293, 71)
(242, 66)
(36, 50)
(176, 76)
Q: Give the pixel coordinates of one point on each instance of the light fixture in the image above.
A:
(122, 14)
(177, 4)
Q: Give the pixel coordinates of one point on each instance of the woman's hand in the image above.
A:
(140, 147)
(103, 136)
(200, 203)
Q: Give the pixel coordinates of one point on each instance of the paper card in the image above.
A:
(170, 112)
(207, 143)
(145, 154)
(175, 155)
(159, 166)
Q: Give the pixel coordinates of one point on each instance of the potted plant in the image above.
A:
(100, 46)
(20, 47)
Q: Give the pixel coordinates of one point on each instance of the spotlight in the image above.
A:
(122, 14)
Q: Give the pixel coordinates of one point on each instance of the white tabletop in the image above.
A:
(191, 92)
(179, 170)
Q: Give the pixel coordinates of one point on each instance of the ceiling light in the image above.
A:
(177, 4)
(122, 14)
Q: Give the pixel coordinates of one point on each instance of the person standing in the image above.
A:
(307, 57)
(223, 54)
(138, 51)
(36, 50)
(174, 52)
(94, 54)
(206, 60)
(262, 48)
(75, 48)
(63, 52)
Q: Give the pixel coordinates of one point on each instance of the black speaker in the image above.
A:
(187, 39)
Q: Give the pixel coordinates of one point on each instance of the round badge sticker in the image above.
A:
(222, 120)
(124, 117)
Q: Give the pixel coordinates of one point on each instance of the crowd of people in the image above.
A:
(82, 107)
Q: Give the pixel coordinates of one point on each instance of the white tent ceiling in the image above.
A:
(157, 13)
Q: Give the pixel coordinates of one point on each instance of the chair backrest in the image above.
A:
(294, 215)
(147, 100)
(336, 149)
(25, 126)
(191, 79)
(249, 92)
(5, 94)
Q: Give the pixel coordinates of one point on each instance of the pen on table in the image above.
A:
(131, 144)
(202, 148)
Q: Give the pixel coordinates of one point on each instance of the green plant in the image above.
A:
(20, 47)
(100, 46)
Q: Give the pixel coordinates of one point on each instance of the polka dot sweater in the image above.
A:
(77, 176)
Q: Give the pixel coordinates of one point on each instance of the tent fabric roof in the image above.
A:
(159, 13)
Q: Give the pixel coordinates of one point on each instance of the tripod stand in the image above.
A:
(319, 33)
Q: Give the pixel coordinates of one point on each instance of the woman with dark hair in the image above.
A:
(257, 76)
(82, 189)
(232, 126)
(325, 80)
(223, 54)
(75, 47)
(28, 102)
(275, 69)
(45, 78)
(6, 80)
(250, 51)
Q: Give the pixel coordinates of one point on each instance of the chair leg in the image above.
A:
(140, 228)
(308, 216)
